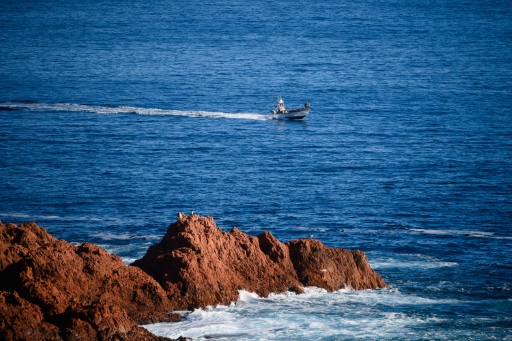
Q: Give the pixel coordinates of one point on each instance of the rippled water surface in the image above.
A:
(116, 116)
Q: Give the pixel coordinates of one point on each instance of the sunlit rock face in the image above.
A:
(198, 264)
(51, 289)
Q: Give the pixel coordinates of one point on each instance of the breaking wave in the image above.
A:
(344, 314)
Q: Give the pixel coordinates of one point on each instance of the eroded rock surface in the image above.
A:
(198, 264)
(332, 268)
(51, 289)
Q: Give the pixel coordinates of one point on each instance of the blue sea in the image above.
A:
(117, 115)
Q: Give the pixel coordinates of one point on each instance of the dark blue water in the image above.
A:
(114, 117)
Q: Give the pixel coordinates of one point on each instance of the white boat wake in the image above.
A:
(109, 110)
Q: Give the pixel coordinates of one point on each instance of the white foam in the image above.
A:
(31, 217)
(109, 110)
(475, 234)
(14, 215)
(367, 314)
(455, 232)
(246, 296)
(114, 236)
(128, 260)
(411, 261)
(412, 264)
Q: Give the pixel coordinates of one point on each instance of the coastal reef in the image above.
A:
(52, 289)
(199, 264)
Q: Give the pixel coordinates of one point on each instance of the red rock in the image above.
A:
(198, 264)
(332, 268)
(51, 289)
(79, 291)
(22, 320)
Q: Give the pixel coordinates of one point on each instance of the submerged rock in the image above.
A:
(198, 264)
(51, 289)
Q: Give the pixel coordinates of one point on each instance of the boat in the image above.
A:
(280, 111)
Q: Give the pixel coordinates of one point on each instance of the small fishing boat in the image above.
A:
(280, 111)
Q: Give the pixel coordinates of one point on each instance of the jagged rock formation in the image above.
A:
(51, 289)
(198, 264)
(332, 268)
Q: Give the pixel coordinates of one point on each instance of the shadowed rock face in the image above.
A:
(332, 268)
(198, 264)
(51, 289)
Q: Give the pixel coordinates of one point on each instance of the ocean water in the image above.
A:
(115, 116)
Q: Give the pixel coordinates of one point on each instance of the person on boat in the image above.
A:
(280, 106)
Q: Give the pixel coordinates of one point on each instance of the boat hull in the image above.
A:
(295, 114)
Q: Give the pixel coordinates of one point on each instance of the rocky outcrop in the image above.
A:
(51, 289)
(198, 264)
(332, 268)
